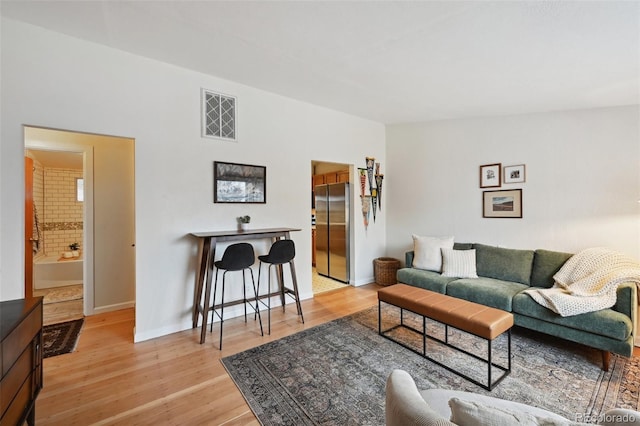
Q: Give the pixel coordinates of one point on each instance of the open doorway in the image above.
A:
(101, 238)
(57, 239)
(330, 239)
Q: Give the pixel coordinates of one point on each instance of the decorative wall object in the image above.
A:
(370, 163)
(239, 183)
(371, 201)
(374, 202)
(379, 178)
(362, 174)
(490, 175)
(502, 203)
(366, 208)
(514, 174)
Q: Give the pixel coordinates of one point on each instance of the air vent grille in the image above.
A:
(218, 115)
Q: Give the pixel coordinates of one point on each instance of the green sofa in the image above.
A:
(504, 273)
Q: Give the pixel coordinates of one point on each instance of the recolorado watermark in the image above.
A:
(609, 418)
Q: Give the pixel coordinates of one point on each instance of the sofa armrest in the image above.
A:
(627, 301)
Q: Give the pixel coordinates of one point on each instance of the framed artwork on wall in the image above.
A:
(502, 204)
(239, 183)
(490, 175)
(514, 174)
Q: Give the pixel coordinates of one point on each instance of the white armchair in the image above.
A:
(405, 405)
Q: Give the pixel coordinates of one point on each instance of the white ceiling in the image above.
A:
(58, 159)
(387, 61)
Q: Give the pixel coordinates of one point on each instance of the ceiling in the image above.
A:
(58, 159)
(388, 61)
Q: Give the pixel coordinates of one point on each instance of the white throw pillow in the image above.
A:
(427, 254)
(459, 263)
(467, 413)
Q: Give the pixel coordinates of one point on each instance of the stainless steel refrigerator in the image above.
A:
(332, 230)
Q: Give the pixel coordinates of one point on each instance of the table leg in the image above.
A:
(203, 255)
(207, 293)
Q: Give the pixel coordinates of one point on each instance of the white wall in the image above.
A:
(52, 80)
(582, 180)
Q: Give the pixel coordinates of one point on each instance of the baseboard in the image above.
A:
(230, 312)
(111, 308)
(364, 281)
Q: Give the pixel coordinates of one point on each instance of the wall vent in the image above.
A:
(218, 115)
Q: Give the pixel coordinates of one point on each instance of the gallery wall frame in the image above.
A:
(504, 203)
(239, 183)
(490, 175)
(514, 174)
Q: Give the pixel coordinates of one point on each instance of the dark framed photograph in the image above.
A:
(490, 175)
(239, 183)
(514, 174)
(506, 203)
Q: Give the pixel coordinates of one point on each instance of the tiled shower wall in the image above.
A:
(61, 216)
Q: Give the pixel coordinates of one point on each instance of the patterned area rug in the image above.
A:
(335, 373)
(61, 338)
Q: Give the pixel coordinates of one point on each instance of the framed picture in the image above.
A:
(490, 175)
(239, 183)
(514, 174)
(503, 203)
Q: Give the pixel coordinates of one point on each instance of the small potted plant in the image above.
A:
(243, 222)
(75, 249)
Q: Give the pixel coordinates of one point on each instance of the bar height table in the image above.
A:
(207, 252)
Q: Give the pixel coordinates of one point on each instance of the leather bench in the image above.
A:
(483, 321)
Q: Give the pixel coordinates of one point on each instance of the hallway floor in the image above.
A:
(320, 284)
(61, 303)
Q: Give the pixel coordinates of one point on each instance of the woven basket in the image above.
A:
(384, 270)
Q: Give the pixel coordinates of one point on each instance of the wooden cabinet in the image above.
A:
(318, 180)
(343, 176)
(331, 177)
(20, 359)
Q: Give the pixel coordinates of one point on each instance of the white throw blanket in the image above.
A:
(588, 282)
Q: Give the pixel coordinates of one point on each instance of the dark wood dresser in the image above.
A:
(20, 359)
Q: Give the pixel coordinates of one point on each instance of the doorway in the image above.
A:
(54, 213)
(104, 230)
(323, 173)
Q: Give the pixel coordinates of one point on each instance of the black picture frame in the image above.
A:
(239, 183)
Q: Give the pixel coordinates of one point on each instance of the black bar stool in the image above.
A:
(281, 252)
(236, 257)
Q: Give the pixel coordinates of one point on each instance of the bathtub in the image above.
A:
(50, 272)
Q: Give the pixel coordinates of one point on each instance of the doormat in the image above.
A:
(61, 338)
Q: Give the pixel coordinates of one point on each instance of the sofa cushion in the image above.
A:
(428, 280)
(462, 246)
(459, 263)
(545, 265)
(427, 252)
(409, 255)
(605, 322)
(503, 263)
(486, 291)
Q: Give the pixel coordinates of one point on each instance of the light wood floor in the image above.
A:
(172, 380)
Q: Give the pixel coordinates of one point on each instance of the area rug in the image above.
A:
(61, 338)
(335, 373)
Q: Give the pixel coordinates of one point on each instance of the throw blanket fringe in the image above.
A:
(588, 282)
